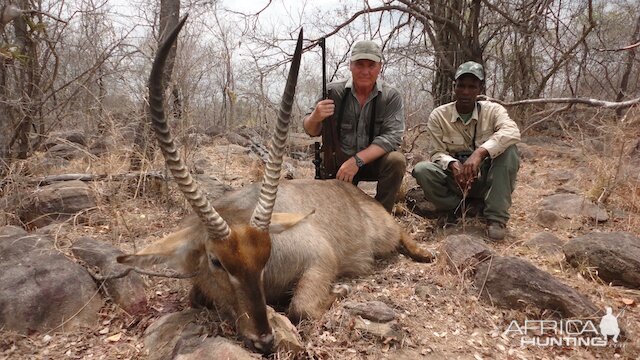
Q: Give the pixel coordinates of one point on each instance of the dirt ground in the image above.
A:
(444, 319)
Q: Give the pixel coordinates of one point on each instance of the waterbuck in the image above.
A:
(251, 248)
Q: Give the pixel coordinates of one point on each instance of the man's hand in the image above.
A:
(324, 109)
(347, 170)
(313, 123)
(458, 174)
(471, 167)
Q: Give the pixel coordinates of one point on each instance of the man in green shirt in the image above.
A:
(360, 103)
(473, 153)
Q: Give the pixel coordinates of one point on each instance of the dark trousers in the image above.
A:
(494, 186)
(388, 171)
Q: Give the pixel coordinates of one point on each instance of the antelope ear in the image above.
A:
(178, 251)
(285, 221)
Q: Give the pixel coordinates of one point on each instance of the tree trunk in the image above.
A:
(144, 146)
(631, 56)
(456, 27)
(28, 83)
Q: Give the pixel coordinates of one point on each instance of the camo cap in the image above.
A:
(366, 50)
(470, 67)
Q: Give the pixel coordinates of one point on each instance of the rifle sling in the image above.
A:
(372, 121)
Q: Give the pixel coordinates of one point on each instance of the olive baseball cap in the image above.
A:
(470, 67)
(367, 50)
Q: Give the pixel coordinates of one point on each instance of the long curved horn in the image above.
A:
(217, 227)
(261, 217)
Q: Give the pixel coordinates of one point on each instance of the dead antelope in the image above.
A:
(247, 255)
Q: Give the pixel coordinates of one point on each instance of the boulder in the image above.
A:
(545, 243)
(513, 283)
(40, 289)
(373, 310)
(56, 202)
(383, 331)
(128, 291)
(616, 256)
(552, 220)
(65, 151)
(215, 349)
(573, 206)
(64, 137)
(464, 252)
(161, 339)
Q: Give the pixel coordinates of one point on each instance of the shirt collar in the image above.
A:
(455, 115)
(377, 88)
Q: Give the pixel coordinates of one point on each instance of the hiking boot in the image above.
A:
(496, 230)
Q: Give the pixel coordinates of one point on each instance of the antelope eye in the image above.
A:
(215, 263)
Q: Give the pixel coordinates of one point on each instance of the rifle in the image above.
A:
(332, 155)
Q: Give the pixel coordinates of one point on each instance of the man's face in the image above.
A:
(365, 73)
(467, 89)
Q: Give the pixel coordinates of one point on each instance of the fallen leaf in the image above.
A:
(627, 301)
(114, 338)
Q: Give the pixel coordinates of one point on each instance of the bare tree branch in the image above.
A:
(584, 101)
(629, 47)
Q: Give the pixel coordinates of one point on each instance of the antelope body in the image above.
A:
(251, 248)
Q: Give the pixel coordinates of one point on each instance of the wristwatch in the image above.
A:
(359, 161)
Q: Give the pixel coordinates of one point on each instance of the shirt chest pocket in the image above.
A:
(453, 141)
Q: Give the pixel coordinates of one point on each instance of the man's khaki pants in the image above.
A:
(494, 186)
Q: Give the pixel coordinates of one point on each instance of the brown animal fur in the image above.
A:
(347, 232)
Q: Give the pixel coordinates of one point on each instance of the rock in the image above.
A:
(56, 202)
(615, 255)
(162, 337)
(513, 283)
(215, 349)
(285, 335)
(561, 176)
(552, 220)
(372, 310)
(211, 187)
(40, 289)
(237, 139)
(419, 205)
(464, 252)
(128, 291)
(383, 331)
(545, 243)
(64, 137)
(11, 231)
(573, 206)
(65, 151)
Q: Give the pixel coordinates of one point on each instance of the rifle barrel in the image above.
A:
(324, 67)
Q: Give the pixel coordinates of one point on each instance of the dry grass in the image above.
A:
(439, 313)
